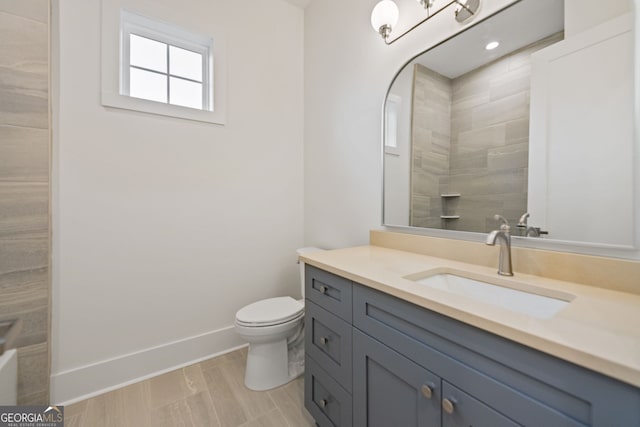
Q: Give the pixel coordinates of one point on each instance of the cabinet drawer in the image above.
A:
(461, 410)
(331, 292)
(328, 342)
(328, 403)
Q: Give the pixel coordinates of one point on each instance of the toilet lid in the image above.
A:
(270, 311)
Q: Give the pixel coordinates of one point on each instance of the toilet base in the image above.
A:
(267, 365)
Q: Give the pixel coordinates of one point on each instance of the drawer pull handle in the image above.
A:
(448, 406)
(427, 391)
(324, 340)
(324, 289)
(323, 403)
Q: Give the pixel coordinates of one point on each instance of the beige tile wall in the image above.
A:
(470, 135)
(24, 189)
(430, 142)
(490, 140)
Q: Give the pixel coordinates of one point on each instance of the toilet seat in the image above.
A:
(269, 312)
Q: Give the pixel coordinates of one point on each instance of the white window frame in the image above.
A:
(391, 116)
(117, 23)
(131, 23)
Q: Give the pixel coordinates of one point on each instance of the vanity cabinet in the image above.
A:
(393, 390)
(413, 367)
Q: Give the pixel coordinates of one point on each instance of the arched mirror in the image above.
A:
(513, 116)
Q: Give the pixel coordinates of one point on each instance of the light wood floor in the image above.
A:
(210, 393)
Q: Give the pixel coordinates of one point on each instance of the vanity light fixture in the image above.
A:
(385, 15)
(492, 45)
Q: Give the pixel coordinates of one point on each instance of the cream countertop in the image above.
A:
(599, 329)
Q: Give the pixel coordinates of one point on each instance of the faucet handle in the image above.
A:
(523, 220)
(505, 224)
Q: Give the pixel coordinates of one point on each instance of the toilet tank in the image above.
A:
(304, 251)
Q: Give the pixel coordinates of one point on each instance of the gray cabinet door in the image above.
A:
(462, 410)
(391, 390)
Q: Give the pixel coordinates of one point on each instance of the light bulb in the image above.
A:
(492, 45)
(385, 13)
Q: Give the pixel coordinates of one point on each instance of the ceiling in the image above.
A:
(516, 27)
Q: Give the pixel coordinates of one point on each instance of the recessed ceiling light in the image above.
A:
(492, 45)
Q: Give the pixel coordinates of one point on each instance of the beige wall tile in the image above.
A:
(23, 110)
(485, 148)
(32, 326)
(33, 373)
(23, 213)
(24, 155)
(24, 44)
(26, 83)
(38, 398)
(24, 59)
(33, 9)
(23, 287)
(24, 190)
(23, 254)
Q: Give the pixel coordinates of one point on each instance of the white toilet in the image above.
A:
(274, 328)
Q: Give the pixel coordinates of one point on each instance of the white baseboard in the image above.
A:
(77, 384)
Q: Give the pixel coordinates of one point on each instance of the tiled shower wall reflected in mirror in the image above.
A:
(470, 137)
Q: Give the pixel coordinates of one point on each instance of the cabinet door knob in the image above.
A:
(448, 406)
(324, 340)
(323, 403)
(427, 390)
(323, 289)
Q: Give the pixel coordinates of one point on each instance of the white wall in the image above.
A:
(348, 69)
(583, 14)
(163, 228)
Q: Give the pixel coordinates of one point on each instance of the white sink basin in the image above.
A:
(532, 304)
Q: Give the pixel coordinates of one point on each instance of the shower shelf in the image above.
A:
(449, 216)
(449, 195)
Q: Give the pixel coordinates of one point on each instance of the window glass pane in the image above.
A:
(147, 85)
(186, 93)
(392, 124)
(147, 53)
(185, 63)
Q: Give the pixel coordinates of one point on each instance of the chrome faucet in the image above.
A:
(504, 264)
(529, 231)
